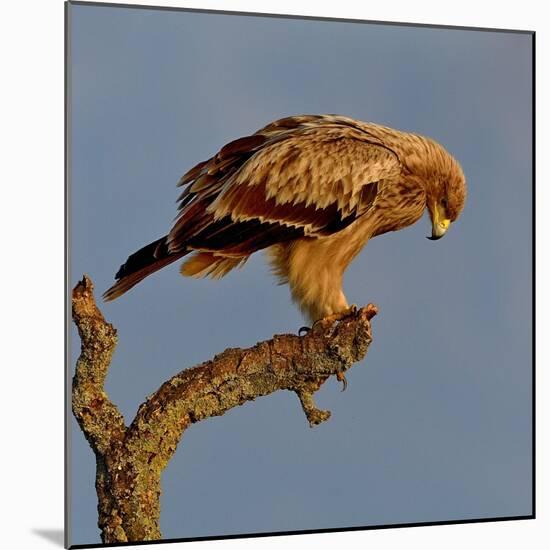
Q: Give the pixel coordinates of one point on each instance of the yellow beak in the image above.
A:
(440, 224)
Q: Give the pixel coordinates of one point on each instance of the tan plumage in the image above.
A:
(311, 190)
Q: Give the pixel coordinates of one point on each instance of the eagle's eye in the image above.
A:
(444, 203)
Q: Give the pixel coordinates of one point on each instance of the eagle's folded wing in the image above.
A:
(284, 182)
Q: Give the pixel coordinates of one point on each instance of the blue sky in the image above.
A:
(435, 423)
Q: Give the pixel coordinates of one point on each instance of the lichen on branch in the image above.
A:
(130, 460)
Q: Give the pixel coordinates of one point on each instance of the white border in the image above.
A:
(31, 42)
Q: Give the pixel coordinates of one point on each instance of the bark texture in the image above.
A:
(130, 459)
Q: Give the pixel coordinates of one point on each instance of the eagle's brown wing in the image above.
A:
(312, 180)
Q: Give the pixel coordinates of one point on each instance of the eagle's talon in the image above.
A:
(341, 377)
(303, 330)
(326, 322)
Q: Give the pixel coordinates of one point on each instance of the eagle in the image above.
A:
(310, 190)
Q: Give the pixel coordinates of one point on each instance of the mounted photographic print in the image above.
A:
(299, 274)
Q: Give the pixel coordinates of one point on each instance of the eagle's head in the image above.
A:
(446, 196)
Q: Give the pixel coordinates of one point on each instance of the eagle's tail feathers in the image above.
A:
(139, 265)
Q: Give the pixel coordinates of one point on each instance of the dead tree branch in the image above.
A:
(130, 460)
